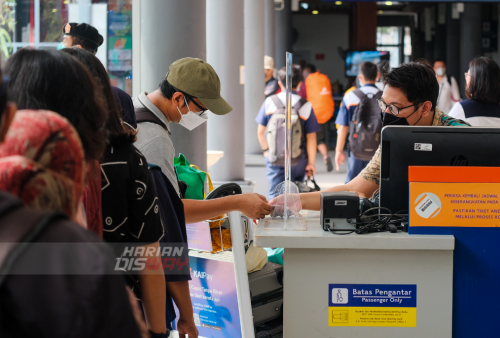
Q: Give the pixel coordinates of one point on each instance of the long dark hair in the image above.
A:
(484, 85)
(41, 79)
(118, 134)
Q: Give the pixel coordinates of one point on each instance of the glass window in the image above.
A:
(38, 24)
(397, 41)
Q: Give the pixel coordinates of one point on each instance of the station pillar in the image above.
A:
(163, 32)
(225, 52)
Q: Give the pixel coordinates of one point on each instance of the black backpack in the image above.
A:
(365, 126)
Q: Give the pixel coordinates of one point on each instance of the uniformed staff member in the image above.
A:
(81, 35)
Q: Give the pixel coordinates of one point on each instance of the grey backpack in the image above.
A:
(365, 126)
(275, 133)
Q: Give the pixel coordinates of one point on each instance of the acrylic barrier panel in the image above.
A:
(286, 208)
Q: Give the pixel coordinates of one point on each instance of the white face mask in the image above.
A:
(440, 71)
(192, 120)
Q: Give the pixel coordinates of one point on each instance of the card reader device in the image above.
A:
(336, 207)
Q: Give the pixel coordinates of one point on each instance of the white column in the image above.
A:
(168, 31)
(84, 11)
(254, 70)
(283, 33)
(270, 48)
(225, 53)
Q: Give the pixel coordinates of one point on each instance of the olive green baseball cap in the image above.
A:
(197, 78)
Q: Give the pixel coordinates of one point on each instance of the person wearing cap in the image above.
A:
(81, 35)
(272, 85)
(185, 96)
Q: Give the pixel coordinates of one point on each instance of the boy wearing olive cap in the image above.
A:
(190, 89)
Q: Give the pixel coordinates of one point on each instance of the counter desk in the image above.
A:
(378, 285)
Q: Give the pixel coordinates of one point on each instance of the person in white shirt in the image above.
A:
(482, 107)
(449, 93)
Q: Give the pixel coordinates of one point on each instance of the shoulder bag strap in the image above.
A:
(145, 115)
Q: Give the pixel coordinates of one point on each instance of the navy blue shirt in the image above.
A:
(174, 223)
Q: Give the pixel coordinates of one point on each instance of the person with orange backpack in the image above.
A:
(319, 93)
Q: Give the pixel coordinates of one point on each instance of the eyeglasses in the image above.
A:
(191, 98)
(392, 108)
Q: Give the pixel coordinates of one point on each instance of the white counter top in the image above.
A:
(315, 238)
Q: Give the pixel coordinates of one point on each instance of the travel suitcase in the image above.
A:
(266, 292)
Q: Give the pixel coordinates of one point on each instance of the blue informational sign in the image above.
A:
(372, 305)
(214, 298)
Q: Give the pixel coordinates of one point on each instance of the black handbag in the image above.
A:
(304, 187)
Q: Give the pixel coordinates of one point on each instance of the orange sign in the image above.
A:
(454, 204)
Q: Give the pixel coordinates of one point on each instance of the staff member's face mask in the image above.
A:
(192, 120)
(390, 114)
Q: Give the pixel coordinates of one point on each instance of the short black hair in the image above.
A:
(3, 94)
(311, 67)
(439, 60)
(416, 79)
(369, 70)
(484, 85)
(86, 44)
(50, 80)
(296, 76)
(167, 90)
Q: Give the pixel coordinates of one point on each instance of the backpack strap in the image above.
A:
(145, 115)
(17, 230)
(360, 94)
(277, 102)
(299, 104)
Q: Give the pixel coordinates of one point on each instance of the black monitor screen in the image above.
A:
(431, 146)
(355, 58)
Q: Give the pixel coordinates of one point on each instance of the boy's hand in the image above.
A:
(254, 206)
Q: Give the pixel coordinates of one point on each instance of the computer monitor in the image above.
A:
(355, 58)
(431, 146)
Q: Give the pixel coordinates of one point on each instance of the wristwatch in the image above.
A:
(264, 150)
(159, 335)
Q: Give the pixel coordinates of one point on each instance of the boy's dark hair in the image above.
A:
(484, 85)
(167, 90)
(86, 44)
(311, 67)
(416, 79)
(42, 79)
(369, 71)
(117, 133)
(3, 94)
(439, 60)
(296, 76)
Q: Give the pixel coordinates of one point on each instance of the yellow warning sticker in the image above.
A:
(372, 305)
(372, 316)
